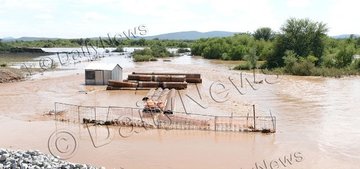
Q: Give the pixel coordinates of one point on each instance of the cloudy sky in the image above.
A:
(93, 18)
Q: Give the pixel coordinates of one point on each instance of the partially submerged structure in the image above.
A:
(100, 73)
(138, 80)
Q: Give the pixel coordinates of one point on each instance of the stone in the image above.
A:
(3, 158)
(24, 166)
(35, 160)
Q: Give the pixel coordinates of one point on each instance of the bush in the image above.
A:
(355, 65)
(3, 65)
(225, 56)
(302, 66)
(328, 61)
(159, 51)
(183, 50)
(145, 51)
(290, 60)
(344, 56)
(143, 58)
(119, 49)
(243, 66)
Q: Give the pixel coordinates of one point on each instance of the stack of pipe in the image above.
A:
(170, 102)
(155, 80)
(113, 85)
(189, 77)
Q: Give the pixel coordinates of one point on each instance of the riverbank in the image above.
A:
(35, 159)
(304, 71)
(10, 75)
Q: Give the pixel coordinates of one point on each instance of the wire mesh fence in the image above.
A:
(147, 118)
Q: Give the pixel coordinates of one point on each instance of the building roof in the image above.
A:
(101, 66)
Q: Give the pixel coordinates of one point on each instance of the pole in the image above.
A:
(254, 117)
(215, 122)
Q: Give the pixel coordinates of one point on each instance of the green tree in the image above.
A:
(264, 33)
(252, 58)
(302, 36)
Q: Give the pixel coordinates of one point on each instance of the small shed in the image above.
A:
(100, 73)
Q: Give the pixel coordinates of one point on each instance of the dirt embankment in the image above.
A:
(10, 75)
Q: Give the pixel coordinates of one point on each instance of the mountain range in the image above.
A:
(185, 35)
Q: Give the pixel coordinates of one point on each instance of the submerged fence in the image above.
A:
(138, 117)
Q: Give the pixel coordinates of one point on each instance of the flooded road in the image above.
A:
(317, 120)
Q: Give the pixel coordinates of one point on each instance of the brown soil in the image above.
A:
(10, 75)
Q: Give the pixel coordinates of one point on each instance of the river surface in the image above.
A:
(318, 120)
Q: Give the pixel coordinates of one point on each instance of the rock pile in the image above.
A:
(10, 159)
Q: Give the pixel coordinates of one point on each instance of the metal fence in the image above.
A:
(137, 117)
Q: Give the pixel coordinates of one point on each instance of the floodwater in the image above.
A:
(317, 120)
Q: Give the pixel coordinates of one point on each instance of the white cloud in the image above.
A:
(298, 3)
(87, 18)
(343, 17)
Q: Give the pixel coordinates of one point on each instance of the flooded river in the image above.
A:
(318, 121)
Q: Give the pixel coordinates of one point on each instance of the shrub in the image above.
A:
(328, 61)
(183, 50)
(344, 56)
(290, 60)
(302, 66)
(355, 65)
(145, 51)
(143, 58)
(119, 49)
(225, 56)
(243, 66)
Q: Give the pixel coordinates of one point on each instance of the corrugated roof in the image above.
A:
(101, 66)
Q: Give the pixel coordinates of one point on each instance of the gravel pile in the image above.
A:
(35, 160)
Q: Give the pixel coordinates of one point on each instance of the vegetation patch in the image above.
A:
(150, 54)
(300, 48)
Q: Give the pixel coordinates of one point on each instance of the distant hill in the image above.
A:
(345, 36)
(186, 35)
(11, 39)
(191, 35)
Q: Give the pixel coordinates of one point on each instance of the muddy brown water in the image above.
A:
(317, 121)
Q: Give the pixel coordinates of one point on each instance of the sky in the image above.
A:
(94, 18)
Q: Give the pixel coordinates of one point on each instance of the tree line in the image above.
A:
(302, 47)
(99, 42)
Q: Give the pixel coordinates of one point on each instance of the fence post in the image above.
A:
(215, 120)
(254, 117)
(273, 122)
(78, 112)
(55, 111)
(95, 113)
(231, 123)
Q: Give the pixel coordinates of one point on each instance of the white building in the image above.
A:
(100, 73)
